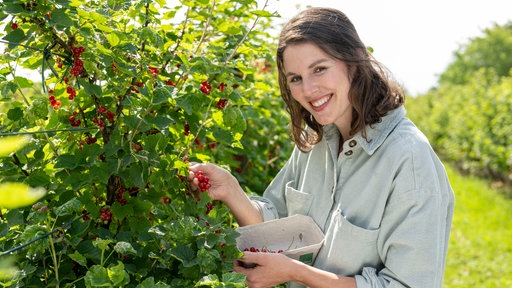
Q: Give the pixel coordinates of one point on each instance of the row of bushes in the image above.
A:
(470, 124)
(468, 116)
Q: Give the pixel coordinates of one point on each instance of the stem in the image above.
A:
(203, 36)
(54, 259)
(245, 36)
(107, 256)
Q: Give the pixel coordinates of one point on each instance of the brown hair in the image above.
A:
(372, 94)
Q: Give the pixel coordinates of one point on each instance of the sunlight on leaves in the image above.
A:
(15, 195)
(12, 144)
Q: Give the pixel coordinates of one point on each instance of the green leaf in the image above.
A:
(234, 119)
(38, 178)
(13, 8)
(78, 258)
(102, 244)
(148, 34)
(161, 122)
(67, 161)
(15, 38)
(162, 94)
(10, 87)
(61, 17)
(117, 275)
(211, 280)
(12, 144)
(69, 207)
(189, 101)
(113, 39)
(122, 211)
(124, 248)
(150, 283)
(91, 89)
(15, 195)
(262, 13)
(15, 114)
(184, 254)
(8, 271)
(23, 82)
(233, 277)
(97, 276)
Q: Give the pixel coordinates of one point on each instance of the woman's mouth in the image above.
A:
(318, 104)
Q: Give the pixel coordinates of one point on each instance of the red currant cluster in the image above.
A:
(153, 71)
(198, 143)
(119, 196)
(100, 123)
(71, 92)
(90, 140)
(221, 104)
(109, 114)
(264, 250)
(204, 181)
(209, 207)
(59, 62)
(78, 65)
(206, 87)
(186, 129)
(73, 121)
(165, 200)
(136, 146)
(222, 86)
(105, 215)
(54, 102)
(14, 26)
(86, 216)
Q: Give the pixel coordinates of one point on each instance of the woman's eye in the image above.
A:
(319, 69)
(294, 79)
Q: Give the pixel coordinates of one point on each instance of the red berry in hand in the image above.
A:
(204, 181)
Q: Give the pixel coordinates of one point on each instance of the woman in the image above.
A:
(360, 169)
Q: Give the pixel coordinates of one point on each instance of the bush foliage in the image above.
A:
(130, 92)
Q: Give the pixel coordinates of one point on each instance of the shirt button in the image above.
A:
(352, 143)
(349, 152)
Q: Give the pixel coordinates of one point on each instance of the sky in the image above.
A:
(414, 39)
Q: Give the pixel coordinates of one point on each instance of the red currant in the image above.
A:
(204, 181)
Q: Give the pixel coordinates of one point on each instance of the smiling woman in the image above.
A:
(359, 169)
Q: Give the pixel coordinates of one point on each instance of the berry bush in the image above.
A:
(129, 93)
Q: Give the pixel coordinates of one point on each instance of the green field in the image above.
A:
(480, 251)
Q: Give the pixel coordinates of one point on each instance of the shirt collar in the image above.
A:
(376, 133)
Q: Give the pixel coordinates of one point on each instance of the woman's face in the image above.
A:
(320, 83)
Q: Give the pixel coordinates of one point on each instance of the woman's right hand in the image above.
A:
(225, 187)
(222, 183)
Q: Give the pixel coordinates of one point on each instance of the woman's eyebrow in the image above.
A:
(313, 64)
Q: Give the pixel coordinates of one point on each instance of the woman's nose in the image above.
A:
(309, 87)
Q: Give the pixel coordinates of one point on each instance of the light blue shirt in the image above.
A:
(385, 205)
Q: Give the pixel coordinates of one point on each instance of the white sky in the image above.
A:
(414, 39)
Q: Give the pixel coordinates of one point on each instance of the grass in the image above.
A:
(480, 249)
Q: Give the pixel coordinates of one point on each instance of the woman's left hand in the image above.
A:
(271, 269)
